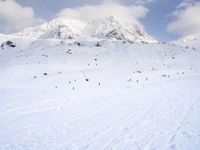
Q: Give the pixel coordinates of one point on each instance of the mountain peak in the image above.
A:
(107, 28)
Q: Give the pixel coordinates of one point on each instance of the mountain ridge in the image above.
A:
(108, 28)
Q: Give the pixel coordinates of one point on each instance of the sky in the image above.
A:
(165, 20)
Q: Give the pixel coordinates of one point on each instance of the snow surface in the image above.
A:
(138, 97)
(190, 40)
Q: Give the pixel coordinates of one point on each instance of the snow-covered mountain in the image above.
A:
(106, 29)
(190, 40)
(110, 28)
(57, 28)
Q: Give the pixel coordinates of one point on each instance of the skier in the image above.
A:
(86, 79)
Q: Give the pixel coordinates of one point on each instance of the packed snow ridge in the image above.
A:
(98, 29)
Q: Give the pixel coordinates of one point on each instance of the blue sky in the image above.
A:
(158, 17)
(155, 22)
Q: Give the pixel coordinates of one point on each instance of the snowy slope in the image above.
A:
(139, 96)
(5, 37)
(190, 40)
(108, 28)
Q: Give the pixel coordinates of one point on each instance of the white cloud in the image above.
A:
(134, 1)
(186, 3)
(187, 19)
(143, 2)
(14, 17)
(109, 8)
